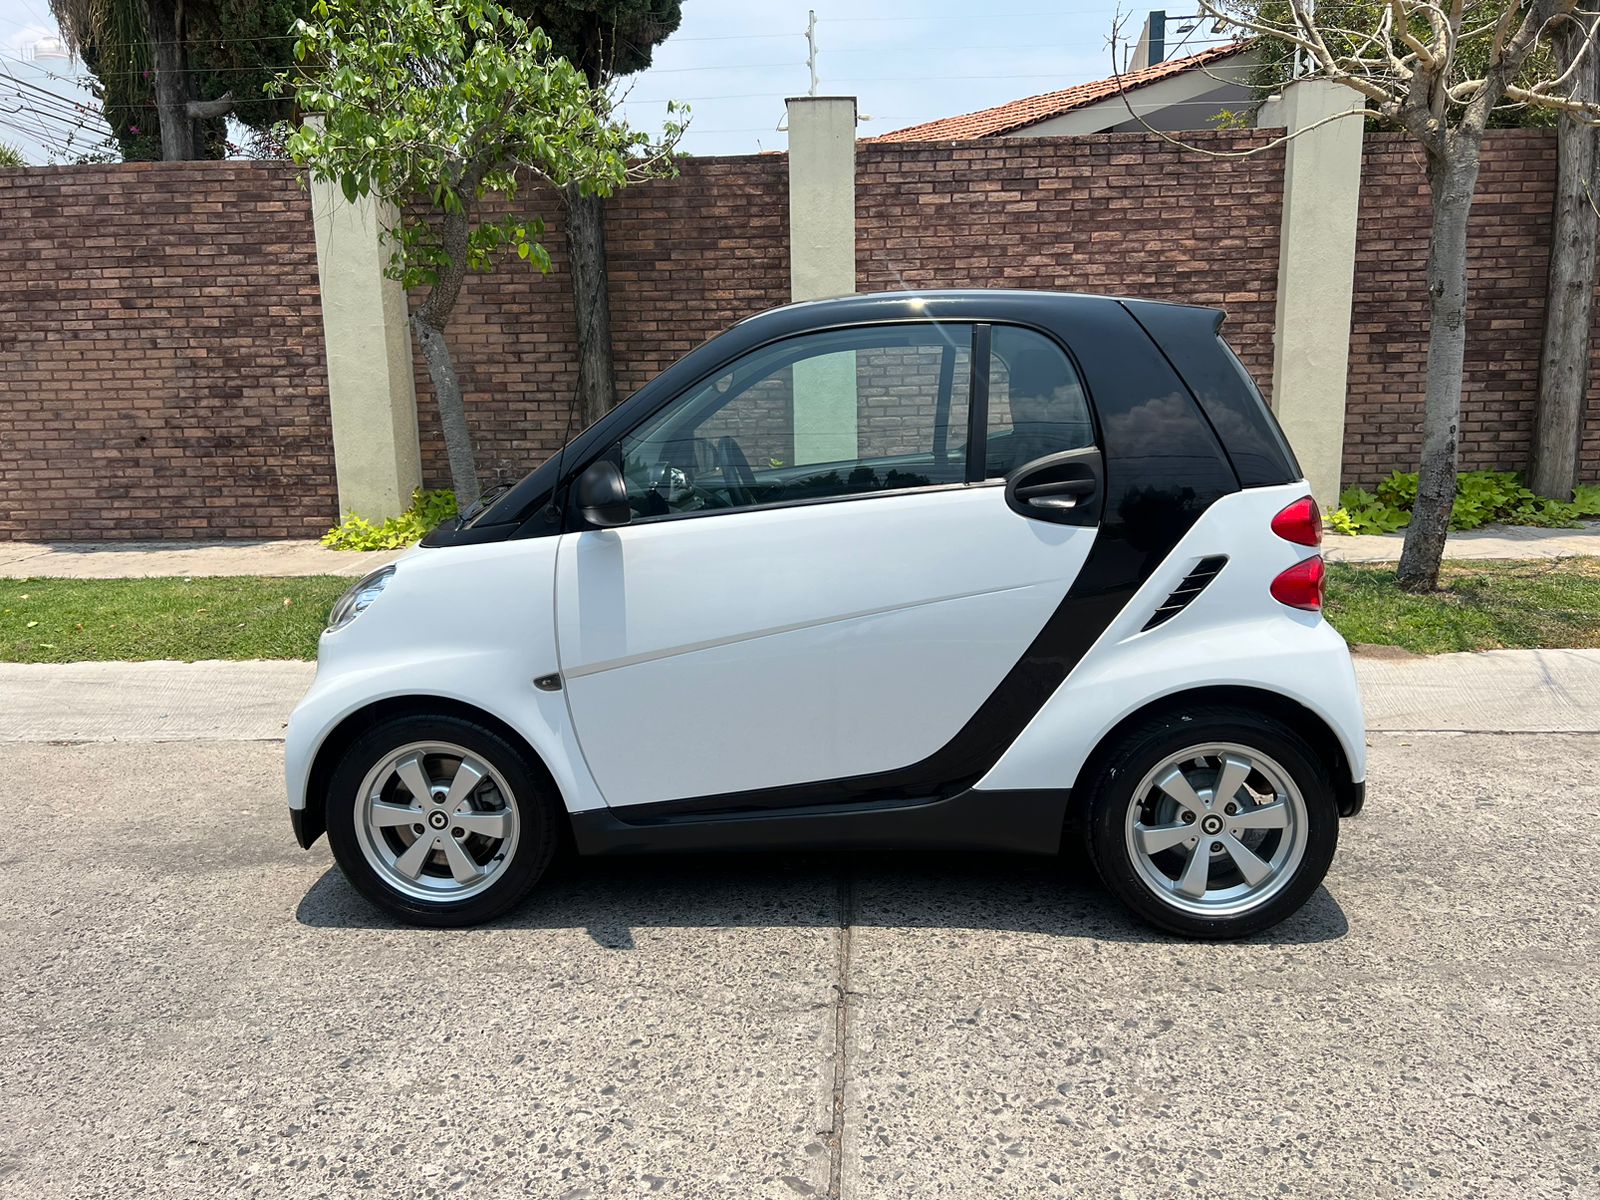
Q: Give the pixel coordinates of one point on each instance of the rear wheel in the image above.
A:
(1212, 823)
(439, 821)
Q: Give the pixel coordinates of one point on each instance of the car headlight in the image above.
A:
(356, 601)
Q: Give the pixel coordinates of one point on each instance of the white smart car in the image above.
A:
(946, 569)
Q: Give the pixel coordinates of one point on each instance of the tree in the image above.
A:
(605, 39)
(1569, 309)
(1569, 304)
(10, 156)
(1280, 62)
(1439, 71)
(441, 109)
(170, 72)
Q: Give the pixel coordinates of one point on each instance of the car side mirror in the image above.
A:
(602, 495)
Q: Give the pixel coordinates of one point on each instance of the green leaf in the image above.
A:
(440, 107)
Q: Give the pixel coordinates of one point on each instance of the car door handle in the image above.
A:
(1065, 488)
(1059, 493)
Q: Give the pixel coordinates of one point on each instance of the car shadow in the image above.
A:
(611, 897)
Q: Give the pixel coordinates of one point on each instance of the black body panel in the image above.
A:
(1352, 797)
(1022, 822)
(1190, 586)
(308, 825)
(1191, 340)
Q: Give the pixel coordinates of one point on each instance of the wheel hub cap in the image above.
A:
(1216, 829)
(435, 822)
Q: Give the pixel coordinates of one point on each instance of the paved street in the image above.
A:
(195, 1007)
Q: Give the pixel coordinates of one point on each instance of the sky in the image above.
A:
(734, 61)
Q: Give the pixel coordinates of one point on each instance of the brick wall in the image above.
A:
(161, 365)
(1124, 213)
(1507, 254)
(687, 257)
(161, 346)
(1120, 213)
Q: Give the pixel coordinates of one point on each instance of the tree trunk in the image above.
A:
(1569, 308)
(428, 323)
(591, 304)
(172, 80)
(452, 410)
(1453, 177)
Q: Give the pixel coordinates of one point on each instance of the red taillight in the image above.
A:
(1300, 523)
(1301, 585)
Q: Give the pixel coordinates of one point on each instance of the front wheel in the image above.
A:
(439, 820)
(1212, 823)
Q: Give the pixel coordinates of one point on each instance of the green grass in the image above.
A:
(78, 620)
(1480, 606)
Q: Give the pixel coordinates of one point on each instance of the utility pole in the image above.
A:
(811, 50)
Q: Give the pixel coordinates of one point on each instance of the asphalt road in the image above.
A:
(194, 1007)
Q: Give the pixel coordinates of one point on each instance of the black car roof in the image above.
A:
(949, 304)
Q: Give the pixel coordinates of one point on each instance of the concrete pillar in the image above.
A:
(822, 263)
(371, 390)
(822, 196)
(1316, 272)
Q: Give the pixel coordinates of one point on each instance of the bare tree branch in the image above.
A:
(204, 110)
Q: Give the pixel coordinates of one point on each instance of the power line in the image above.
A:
(290, 66)
(692, 99)
(45, 100)
(728, 67)
(733, 37)
(958, 49)
(57, 138)
(916, 78)
(967, 17)
(41, 111)
(44, 94)
(36, 131)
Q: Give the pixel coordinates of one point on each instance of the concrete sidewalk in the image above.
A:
(1498, 691)
(1491, 542)
(137, 560)
(134, 560)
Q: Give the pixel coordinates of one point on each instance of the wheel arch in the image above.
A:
(1308, 724)
(312, 820)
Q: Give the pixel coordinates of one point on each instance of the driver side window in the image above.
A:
(838, 413)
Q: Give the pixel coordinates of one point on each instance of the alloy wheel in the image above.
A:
(436, 822)
(1217, 829)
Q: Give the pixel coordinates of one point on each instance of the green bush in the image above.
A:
(1360, 511)
(427, 510)
(1482, 497)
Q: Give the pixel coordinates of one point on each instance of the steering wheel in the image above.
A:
(736, 472)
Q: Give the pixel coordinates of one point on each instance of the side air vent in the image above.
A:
(1193, 584)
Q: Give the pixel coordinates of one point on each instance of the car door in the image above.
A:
(825, 579)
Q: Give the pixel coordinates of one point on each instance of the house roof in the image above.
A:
(1018, 114)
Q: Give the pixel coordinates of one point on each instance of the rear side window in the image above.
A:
(1037, 405)
(1249, 433)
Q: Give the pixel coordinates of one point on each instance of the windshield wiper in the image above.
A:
(483, 501)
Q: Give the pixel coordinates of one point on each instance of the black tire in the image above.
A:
(531, 794)
(1139, 750)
